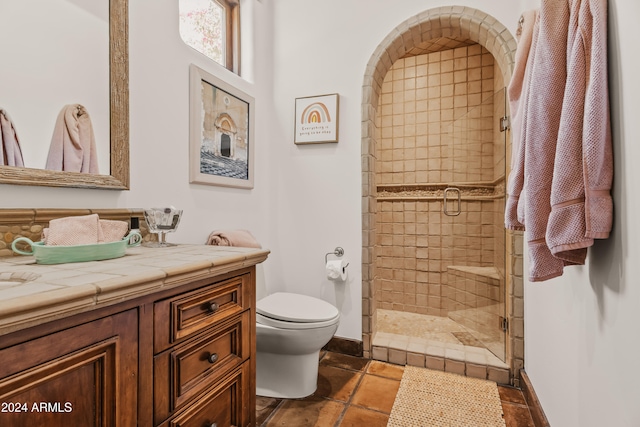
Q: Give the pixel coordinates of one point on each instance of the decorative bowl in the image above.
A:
(78, 253)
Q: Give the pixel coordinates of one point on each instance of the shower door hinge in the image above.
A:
(504, 123)
(504, 324)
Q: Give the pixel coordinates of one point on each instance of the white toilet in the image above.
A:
(291, 329)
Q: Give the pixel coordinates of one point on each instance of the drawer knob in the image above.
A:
(213, 306)
(213, 358)
(214, 425)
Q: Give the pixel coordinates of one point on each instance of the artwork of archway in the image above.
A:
(226, 131)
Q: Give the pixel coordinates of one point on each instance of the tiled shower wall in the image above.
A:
(417, 243)
(438, 124)
(422, 97)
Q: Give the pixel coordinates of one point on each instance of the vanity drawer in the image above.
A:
(221, 406)
(184, 372)
(187, 314)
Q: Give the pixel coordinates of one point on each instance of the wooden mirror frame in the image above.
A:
(119, 120)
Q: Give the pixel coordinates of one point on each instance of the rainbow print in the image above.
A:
(315, 113)
(316, 119)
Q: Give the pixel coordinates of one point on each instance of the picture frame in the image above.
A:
(221, 134)
(316, 119)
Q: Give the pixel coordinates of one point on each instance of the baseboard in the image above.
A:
(539, 418)
(345, 346)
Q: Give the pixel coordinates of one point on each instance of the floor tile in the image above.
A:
(344, 361)
(376, 393)
(357, 392)
(511, 394)
(264, 407)
(360, 417)
(310, 412)
(336, 383)
(386, 370)
(517, 415)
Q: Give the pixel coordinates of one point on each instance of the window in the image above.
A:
(212, 28)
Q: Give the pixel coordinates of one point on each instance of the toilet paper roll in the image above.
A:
(336, 269)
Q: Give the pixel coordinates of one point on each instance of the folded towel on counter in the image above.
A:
(242, 238)
(113, 231)
(83, 230)
(10, 152)
(73, 145)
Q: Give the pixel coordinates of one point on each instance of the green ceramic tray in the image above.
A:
(77, 253)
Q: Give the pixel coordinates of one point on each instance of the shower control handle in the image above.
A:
(445, 208)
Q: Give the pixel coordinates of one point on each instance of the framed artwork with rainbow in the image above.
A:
(316, 119)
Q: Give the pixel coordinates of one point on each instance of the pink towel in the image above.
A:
(582, 207)
(10, 152)
(518, 92)
(242, 238)
(563, 163)
(73, 230)
(548, 78)
(113, 231)
(83, 230)
(73, 145)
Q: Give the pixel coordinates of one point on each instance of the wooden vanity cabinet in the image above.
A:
(82, 376)
(178, 357)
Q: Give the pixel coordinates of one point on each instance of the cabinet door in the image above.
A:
(222, 406)
(82, 376)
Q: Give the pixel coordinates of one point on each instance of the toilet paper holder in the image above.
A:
(338, 251)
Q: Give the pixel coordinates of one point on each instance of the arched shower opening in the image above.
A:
(441, 281)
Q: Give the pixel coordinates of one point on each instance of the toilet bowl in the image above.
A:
(290, 331)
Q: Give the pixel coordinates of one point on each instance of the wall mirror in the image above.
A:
(108, 88)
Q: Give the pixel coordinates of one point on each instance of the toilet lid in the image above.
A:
(296, 308)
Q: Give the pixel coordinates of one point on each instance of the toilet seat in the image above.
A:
(294, 311)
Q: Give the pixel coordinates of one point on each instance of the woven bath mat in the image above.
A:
(428, 398)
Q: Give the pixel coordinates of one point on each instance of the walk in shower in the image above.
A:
(440, 202)
(439, 268)
(441, 279)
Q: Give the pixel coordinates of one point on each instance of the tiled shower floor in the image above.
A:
(431, 335)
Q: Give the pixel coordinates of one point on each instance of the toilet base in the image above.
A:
(286, 376)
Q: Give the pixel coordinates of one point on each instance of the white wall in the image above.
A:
(159, 115)
(323, 47)
(159, 130)
(581, 329)
(582, 344)
(307, 199)
(320, 48)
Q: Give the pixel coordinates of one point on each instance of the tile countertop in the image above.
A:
(32, 294)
